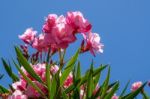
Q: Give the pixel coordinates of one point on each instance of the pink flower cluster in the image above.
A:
(59, 31)
(136, 86)
(23, 90)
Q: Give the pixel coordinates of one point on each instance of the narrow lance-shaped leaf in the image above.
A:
(78, 74)
(26, 65)
(97, 75)
(112, 91)
(29, 80)
(53, 87)
(48, 82)
(69, 67)
(124, 90)
(3, 90)
(90, 83)
(105, 84)
(9, 71)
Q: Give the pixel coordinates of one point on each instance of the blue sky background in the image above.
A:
(124, 26)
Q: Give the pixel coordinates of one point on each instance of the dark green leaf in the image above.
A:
(69, 67)
(3, 90)
(112, 91)
(26, 65)
(29, 80)
(53, 87)
(105, 84)
(124, 90)
(9, 71)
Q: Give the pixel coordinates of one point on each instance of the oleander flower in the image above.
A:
(19, 85)
(50, 23)
(60, 34)
(32, 93)
(17, 94)
(136, 85)
(78, 22)
(39, 43)
(115, 97)
(68, 81)
(54, 69)
(28, 36)
(93, 43)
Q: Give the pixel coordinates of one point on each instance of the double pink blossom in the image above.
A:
(93, 43)
(115, 97)
(78, 22)
(136, 86)
(68, 81)
(28, 35)
(58, 32)
(17, 94)
(19, 85)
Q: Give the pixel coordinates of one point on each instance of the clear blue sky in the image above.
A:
(124, 26)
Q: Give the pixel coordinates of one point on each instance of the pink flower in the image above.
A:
(68, 81)
(115, 97)
(40, 70)
(78, 22)
(136, 86)
(17, 94)
(50, 23)
(39, 43)
(19, 85)
(28, 35)
(32, 93)
(93, 43)
(59, 34)
(54, 69)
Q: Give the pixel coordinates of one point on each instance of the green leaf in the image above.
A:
(53, 87)
(76, 93)
(124, 90)
(78, 74)
(133, 94)
(3, 90)
(105, 84)
(112, 92)
(97, 75)
(69, 67)
(145, 96)
(9, 71)
(98, 70)
(98, 93)
(26, 65)
(95, 72)
(29, 80)
(90, 83)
